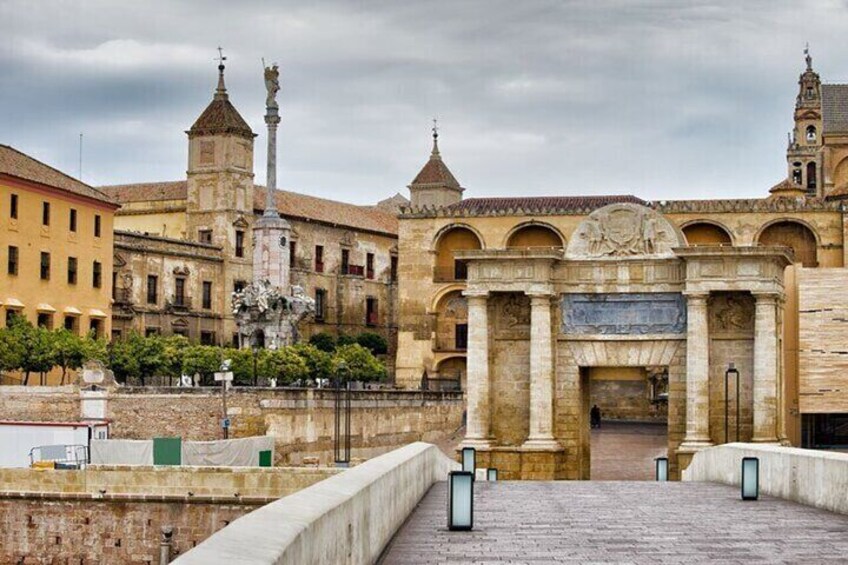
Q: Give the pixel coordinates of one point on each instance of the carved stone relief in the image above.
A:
(624, 230)
(731, 312)
(456, 307)
(623, 313)
(512, 316)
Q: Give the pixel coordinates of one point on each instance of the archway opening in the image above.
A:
(534, 236)
(795, 235)
(452, 322)
(448, 267)
(703, 233)
(450, 375)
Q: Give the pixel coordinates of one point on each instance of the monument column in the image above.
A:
(478, 420)
(541, 373)
(697, 372)
(766, 367)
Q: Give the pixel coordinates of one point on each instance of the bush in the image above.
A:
(283, 364)
(137, 356)
(345, 339)
(373, 342)
(361, 363)
(323, 341)
(204, 360)
(319, 363)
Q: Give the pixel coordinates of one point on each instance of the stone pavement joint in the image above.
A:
(619, 522)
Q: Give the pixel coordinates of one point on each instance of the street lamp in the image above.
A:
(750, 478)
(469, 460)
(491, 474)
(341, 446)
(662, 468)
(731, 370)
(460, 500)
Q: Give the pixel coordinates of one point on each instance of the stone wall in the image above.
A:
(302, 420)
(85, 528)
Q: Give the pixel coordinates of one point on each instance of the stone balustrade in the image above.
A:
(811, 477)
(348, 518)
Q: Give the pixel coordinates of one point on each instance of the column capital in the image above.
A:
(540, 295)
(474, 293)
(696, 294)
(766, 297)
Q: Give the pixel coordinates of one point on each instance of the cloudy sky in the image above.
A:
(662, 99)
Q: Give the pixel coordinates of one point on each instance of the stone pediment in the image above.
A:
(621, 231)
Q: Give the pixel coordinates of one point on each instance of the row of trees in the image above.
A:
(137, 358)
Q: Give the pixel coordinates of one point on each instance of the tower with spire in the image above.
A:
(435, 186)
(803, 154)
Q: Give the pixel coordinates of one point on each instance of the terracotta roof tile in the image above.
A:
(150, 191)
(20, 165)
(539, 204)
(435, 172)
(835, 108)
(220, 117)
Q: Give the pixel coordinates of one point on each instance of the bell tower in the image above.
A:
(803, 154)
(435, 186)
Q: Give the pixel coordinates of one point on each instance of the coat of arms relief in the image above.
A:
(624, 230)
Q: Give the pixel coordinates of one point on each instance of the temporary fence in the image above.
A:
(255, 451)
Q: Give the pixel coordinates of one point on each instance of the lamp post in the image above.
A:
(731, 370)
(460, 500)
(341, 445)
(225, 376)
(255, 374)
(491, 474)
(469, 460)
(662, 468)
(750, 478)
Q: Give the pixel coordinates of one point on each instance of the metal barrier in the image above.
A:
(62, 456)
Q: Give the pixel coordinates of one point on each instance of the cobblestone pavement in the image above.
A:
(619, 522)
(626, 451)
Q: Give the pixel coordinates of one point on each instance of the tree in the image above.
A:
(11, 351)
(345, 339)
(285, 365)
(319, 363)
(70, 351)
(36, 347)
(361, 365)
(243, 363)
(373, 342)
(137, 356)
(204, 360)
(173, 349)
(323, 341)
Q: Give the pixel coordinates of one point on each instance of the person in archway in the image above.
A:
(595, 417)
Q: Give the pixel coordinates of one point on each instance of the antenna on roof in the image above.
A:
(80, 157)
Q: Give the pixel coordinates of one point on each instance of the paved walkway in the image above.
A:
(626, 451)
(620, 522)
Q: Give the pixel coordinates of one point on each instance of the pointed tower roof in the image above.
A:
(435, 172)
(220, 116)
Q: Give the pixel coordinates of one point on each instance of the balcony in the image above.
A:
(354, 270)
(178, 303)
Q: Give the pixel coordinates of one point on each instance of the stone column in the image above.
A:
(477, 432)
(541, 373)
(766, 367)
(697, 372)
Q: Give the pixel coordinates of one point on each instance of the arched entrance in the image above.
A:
(450, 240)
(799, 237)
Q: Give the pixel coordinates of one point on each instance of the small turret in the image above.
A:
(435, 186)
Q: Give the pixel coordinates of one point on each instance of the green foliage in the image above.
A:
(137, 356)
(285, 365)
(173, 351)
(70, 351)
(203, 360)
(242, 364)
(319, 363)
(323, 341)
(373, 342)
(11, 350)
(345, 339)
(36, 351)
(361, 365)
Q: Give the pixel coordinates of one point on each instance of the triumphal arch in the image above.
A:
(627, 292)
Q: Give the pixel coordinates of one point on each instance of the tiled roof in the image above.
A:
(838, 193)
(435, 172)
(835, 108)
(292, 204)
(220, 117)
(17, 164)
(539, 203)
(150, 191)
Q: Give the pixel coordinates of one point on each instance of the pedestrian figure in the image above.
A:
(595, 417)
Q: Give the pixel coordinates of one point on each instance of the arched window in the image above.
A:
(704, 233)
(448, 268)
(811, 133)
(534, 235)
(811, 177)
(795, 235)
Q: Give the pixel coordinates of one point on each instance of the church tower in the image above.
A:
(219, 206)
(803, 154)
(435, 186)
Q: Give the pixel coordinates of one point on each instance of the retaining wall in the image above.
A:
(811, 477)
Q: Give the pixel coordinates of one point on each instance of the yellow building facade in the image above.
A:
(55, 248)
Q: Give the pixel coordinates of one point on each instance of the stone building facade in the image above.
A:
(534, 304)
(195, 236)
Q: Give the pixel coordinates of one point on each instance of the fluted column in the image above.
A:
(697, 372)
(477, 432)
(766, 367)
(541, 373)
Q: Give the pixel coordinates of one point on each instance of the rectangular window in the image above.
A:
(12, 268)
(45, 213)
(207, 338)
(71, 323)
(371, 315)
(45, 320)
(152, 289)
(96, 274)
(10, 315)
(72, 222)
(292, 252)
(97, 225)
(369, 265)
(205, 236)
(239, 243)
(345, 261)
(320, 304)
(207, 295)
(95, 328)
(72, 270)
(461, 336)
(45, 266)
(319, 258)
(393, 269)
(179, 291)
(13, 207)
(148, 332)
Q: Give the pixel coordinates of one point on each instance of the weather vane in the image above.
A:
(435, 128)
(221, 57)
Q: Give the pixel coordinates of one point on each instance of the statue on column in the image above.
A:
(272, 84)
